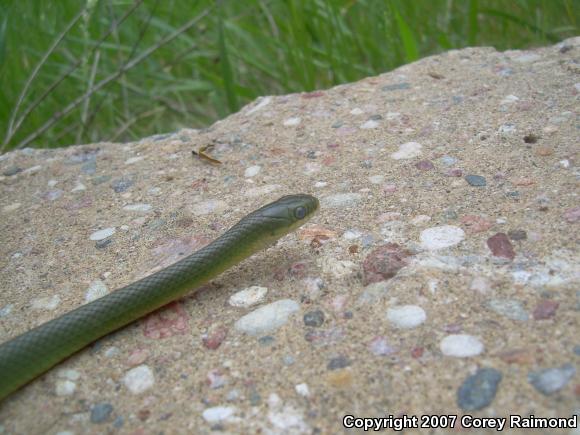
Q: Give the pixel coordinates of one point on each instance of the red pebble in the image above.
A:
(384, 262)
(501, 246)
(169, 320)
(545, 309)
(214, 339)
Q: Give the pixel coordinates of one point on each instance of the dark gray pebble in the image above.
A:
(89, 167)
(478, 390)
(517, 235)
(397, 87)
(266, 340)
(339, 362)
(314, 318)
(550, 380)
(101, 412)
(12, 170)
(121, 185)
(475, 180)
(102, 244)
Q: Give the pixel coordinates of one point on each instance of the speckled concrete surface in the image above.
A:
(440, 276)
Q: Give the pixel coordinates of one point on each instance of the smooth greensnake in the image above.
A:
(27, 356)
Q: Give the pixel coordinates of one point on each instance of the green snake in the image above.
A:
(27, 356)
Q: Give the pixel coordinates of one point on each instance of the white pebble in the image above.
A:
(320, 184)
(480, 285)
(292, 121)
(134, 160)
(407, 150)
(302, 389)
(338, 268)
(218, 414)
(351, 234)
(356, 111)
(262, 190)
(79, 187)
(249, 296)
(96, 290)
(262, 102)
(507, 129)
(441, 237)
(65, 388)
(6, 310)
(371, 123)
(312, 168)
(209, 206)
(252, 171)
(406, 316)
(509, 99)
(11, 207)
(139, 379)
(461, 345)
(46, 303)
(70, 374)
(341, 200)
(267, 318)
(420, 219)
(376, 179)
(141, 208)
(102, 234)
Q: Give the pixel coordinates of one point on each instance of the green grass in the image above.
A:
(78, 72)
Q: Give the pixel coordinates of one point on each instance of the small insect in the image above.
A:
(201, 153)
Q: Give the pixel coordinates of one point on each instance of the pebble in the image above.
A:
(475, 224)
(379, 346)
(121, 185)
(12, 170)
(356, 111)
(139, 379)
(262, 190)
(46, 303)
(510, 308)
(101, 412)
(140, 208)
(500, 246)
(376, 179)
(480, 285)
(397, 87)
(209, 206)
(407, 150)
(338, 268)
(65, 387)
(138, 357)
(338, 362)
(572, 215)
(89, 167)
(292, 121)
(545, 309)
(517, 235)
(424, 165)
(70, 374)
(371, 123)
(248, 297)
(252, 171)
(11, 207)
(478, 390)
(461, 345)
(314, 318)
(441, 237)
(6, 310)
(96, 290)
(262, 102)
(132, 160)
(383, 262)
(102, 234)
(79, 187)
(406, 316)
(267, 318)
(448, 160)
(302, 389)
(213, 339)
(475, 180)
(219, 414)
(548, 381)
(340, 200)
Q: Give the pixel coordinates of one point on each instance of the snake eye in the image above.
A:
(300, 212)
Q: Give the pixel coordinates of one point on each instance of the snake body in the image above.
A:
(27, 356)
